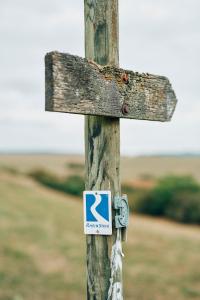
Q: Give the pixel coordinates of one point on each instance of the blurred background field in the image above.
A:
(131, 167)
(42, 245)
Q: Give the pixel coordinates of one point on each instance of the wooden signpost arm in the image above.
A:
(102, 140)
(76, 85)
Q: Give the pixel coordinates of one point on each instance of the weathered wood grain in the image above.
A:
(102, 144)
(76, 85)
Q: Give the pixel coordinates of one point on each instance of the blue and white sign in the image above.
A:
(97, 212)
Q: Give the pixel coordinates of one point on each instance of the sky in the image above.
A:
(156, 36)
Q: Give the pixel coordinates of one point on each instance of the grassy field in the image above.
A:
(132, 168)
(42, 248)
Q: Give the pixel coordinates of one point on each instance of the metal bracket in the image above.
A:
(122, 211)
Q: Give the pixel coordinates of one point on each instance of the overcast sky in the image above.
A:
(156, 36)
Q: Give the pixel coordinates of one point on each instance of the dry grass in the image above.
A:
(42, 249)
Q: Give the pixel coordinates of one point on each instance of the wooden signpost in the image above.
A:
(98, 88)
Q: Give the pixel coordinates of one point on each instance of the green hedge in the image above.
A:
(71, 185)
(175, 197)
(184, 207)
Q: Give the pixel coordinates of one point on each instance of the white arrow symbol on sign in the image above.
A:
(99, 218)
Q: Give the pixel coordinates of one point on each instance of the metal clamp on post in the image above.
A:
(122, 211)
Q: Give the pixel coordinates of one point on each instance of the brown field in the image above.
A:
(132, 168)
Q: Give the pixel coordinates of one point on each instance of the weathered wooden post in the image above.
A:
(98, 88)
(102, 145)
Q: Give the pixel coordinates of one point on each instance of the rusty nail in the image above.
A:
(125, 109)
(125, 78)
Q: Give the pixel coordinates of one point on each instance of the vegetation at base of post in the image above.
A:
(173, 197)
